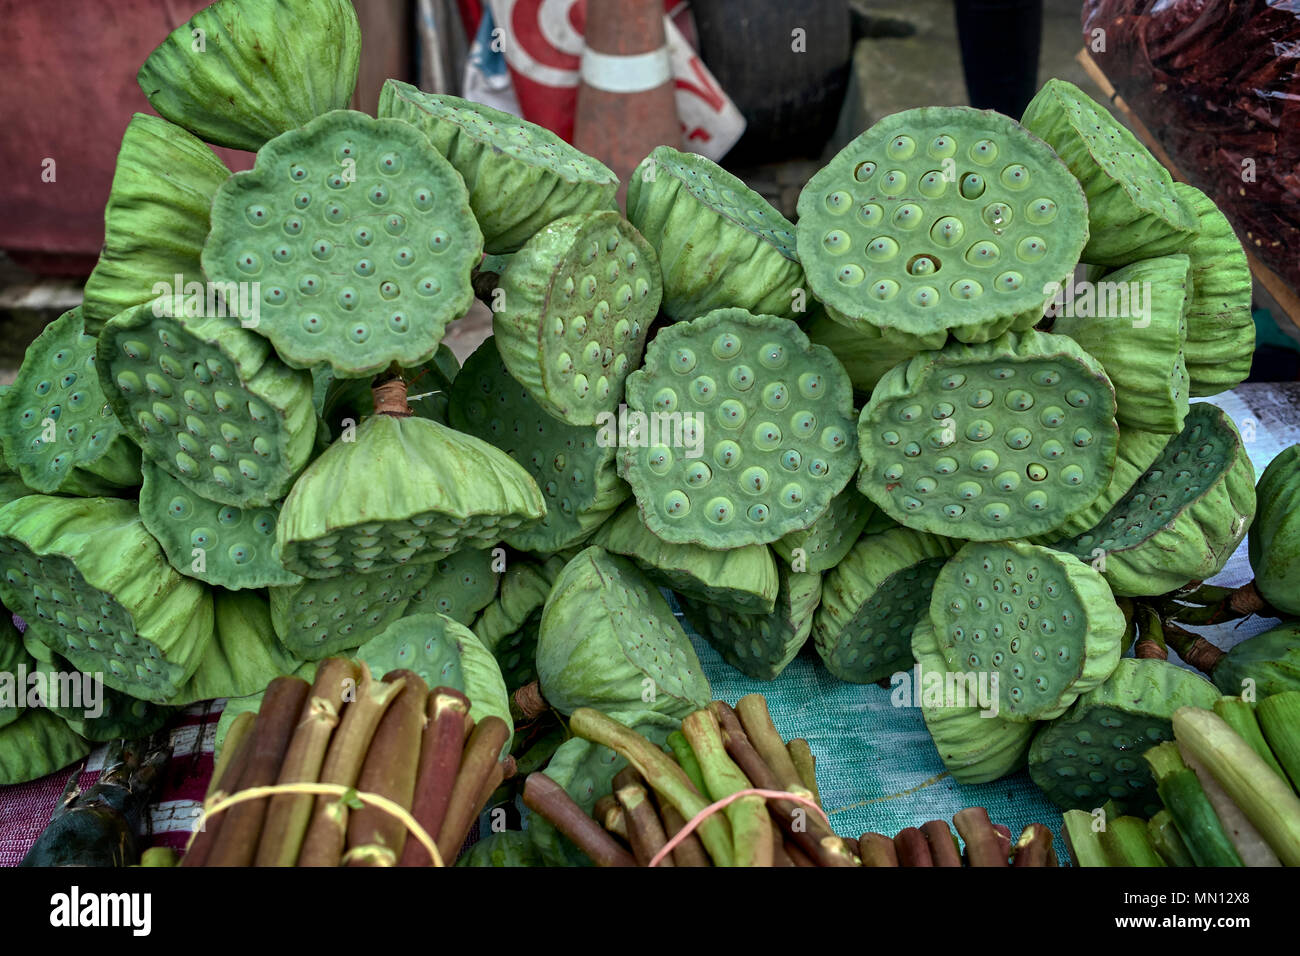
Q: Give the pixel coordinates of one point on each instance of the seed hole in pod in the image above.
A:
(923, 265)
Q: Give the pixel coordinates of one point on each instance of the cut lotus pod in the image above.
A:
(244, 656)
(36, 744)
(239, 72)
(155, 221)
(739, 431)
(760, 645)
(1182, 519)
(13, 656)
(1043, 621)
(215, 543)
(741, 580)
(575, 305)
(872, 600)
(586, 771)
(720, 244)
(508, 627)
(1220, 328)
(96, 583)
(572, 464)
(823, 544)
(405, 490)
(864, 351)
(941, 220)
(608, 640)
(94, 711)
(208, 401)
(974, 742)
(361, 238)
(1139, 342)
(444, 654)
(1265, 664)
(462, 584)
(520, 176)
(992, 441)
(1133, 210)
(321, 617)
(59, 433)
(1275, 532)
(1094, 753)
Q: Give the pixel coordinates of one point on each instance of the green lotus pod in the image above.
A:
(1094, 753)
(571, 464)
(576, 303)
(742, 580)
(242, 71)
(13, 655)
(321, 617)
(218, 544)
(156, 218)
(1270, 662)
(1275, 532)
(244, 656)
(739, 431)
(1182, 519)
(1220, 327)
(994, 600)
(1142, 351)
(824, 543)
(503, 848)
(406, 490)
(608, 640)
(444, 654)
(97, 585)
(97, 713)
(509, 626)
(520, 176)
(59, 433)
(361, 238)
(872, 600)
(462, 585)
(760, 645)
(975, 744)
(586, 771)
(720, 244)
(938, 220)
(1133, 211)
(985, 442)
(863, 350)
(208, 401)
(38, 743)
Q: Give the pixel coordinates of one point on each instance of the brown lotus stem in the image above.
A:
(239, 730)
(1247, 600)
(1195, 650)
(479, 764)
(627, 777)
(609, 813)
(1034, 846)
(797, 856)
(225, 780)
(547, 798)
(529, 701)
(1147, 649)
(805, 763)
(943, 845)
(984, 846)
(390, 397)
(440, 753)
(756, 720)
(751, 824)
(876, 849)
(509, 767)
(645, 831)
(912, 847)
(690, 851)
(1004, 839)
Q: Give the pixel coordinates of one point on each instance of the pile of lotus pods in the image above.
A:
(886, 428)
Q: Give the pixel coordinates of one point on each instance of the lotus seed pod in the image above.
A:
(721, 244)
(872, 600)
(938, 220)
(985, 442)
(462, 585)
(59, 433)
(1220, 327)
(1094, 753)
(608, 640)
(520, 176)
(1267, 664)
(93, 711)
(209, 402)
(992, 601)
(444, 654)
(406, 490)
(1275, 532)
(13, 655)
(760, 645)
(863, 350)
(322, 617)
(744, 448)
(87, 573)
(742, 580)
(214, 543)
(1182, 519)
(242, 71)
(244, 656)
(359, 239)
(827, 540)
(586, 771)
(38, 743)
(502, 848)
(156, 219)
(508, 627)
(1140, 346)
(975, 744)
(1133, 211)
(571, 464)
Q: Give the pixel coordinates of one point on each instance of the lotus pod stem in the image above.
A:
(1034, 848)
(805, 763)
(1169, 843)
(1082, 841)
(645, 831)
(983, 847)
(225, 778)
(1193, 649)
(681, 748)
(481, 758)
(610, 814)
(1240, 716)
(943, 845)
(756, 719)
(548, 799)
(235, 736)
(751, 825)
(797, 856)
(1151, 645)
(1279, 719)
(912, 847)
(440, 753)
(876, 849)
(1191, 810)
(1125, 842)
(689, 851)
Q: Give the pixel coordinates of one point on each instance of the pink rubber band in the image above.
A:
(713, 808)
